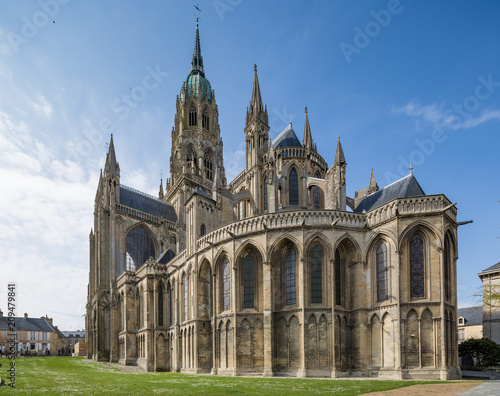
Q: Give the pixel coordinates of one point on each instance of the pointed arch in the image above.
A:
(417, 266)
(412, 339)
(382, 271)
(193, 115)
(140, 246)
(388, 340)
(258, 344)
(284, 257)
(205, 118)
(249, 277)
(191, 158)
(316, 273)
(376, 341)
(205, 291)
(208, 165)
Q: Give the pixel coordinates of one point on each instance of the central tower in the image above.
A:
(196, 156)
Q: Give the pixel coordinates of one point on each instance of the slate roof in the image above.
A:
(74, 333)
(29, 324)
(166, 256)
(287, 138)
(146, 203)
(472, 315)
(493, 268)
(403, 188)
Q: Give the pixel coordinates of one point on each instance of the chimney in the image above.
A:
(25, 315)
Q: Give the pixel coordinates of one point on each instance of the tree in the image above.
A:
(484, 351)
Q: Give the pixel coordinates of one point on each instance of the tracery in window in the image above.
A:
(140, 247)
(248, 281)
(338, 279)
(316, 197)
(226, 285)
(417, 279)
(191, 158)
(193, 116)
(293, 188)
(290, 276)
(316, 278)
(205, 119)
(208, 165)
(382, 269)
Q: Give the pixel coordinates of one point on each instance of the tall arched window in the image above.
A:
(185, 286)
(316, 278)
(417, 279)
(205, 119)
(264, 187)
(338, 279)
(446, 269)
(170, 305)
(140, 247)
(382, 270)
(293, 188)
(316, 193)
(248, 281)
(290, 276)
(193, 116)
(226, 285)
(160, 305)
(203, 230)
(208, 165)
(140, 311)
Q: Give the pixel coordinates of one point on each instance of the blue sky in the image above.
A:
(398, 81)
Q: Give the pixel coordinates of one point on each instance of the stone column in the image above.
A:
(301, 279)
(268, 322)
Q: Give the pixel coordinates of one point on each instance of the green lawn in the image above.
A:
(75, 376)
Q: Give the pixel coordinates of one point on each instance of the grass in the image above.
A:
(78, 376)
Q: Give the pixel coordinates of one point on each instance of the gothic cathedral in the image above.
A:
(278, 272)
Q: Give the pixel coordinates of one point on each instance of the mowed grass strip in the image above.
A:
(78, 376)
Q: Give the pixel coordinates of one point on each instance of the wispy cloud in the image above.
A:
(42, 106)
(439, 116)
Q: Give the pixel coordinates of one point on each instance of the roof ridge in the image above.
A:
(143, 193)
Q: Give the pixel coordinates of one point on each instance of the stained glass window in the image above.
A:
(338, 279)
(140, 248)
(185, 285)
(208, 165)
(417, 279)
(265, 193)
(193, 116)
(248, 281)
(226, 284)
(316, 278)
(382, 278)
(316, 197)
(290, 276)
(293, 188)
(160, 305)
(446, 269)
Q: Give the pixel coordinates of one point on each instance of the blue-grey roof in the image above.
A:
(287, 138)
(147, 203)
(26, 324)
(75, 333)
(472, 315)
(402, 188)
(166, 256)
(493, 268)
(201, 192)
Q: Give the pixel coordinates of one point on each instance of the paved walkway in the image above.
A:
(488, 388)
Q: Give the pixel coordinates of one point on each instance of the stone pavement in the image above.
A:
(487, 388)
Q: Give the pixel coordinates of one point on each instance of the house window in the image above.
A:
(382, 278)
(461, 335)
(417, 280)
(205, 119)
(293, 188)
(338, 279)
(193, 116)
(248, 281)
(226, 285)
(290, 276)
(316, 278)
(461, 321)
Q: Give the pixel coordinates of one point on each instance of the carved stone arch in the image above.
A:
(318, 236)
(249, 277)
(277, 244)
(348, 237)
(373, 242)
(150, 234)
(373, 317)
(284, 256)
(250, 245)
(428, 230)
(218, 258)
(289, 164)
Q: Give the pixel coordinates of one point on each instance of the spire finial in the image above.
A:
(255, 67)
(306, 109)
(411, 169)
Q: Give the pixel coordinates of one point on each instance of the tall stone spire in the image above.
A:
(339, 154)
(111, 165)
(160, 192)
(197, 62)
(257, 109)
(307, 140)
(373, 187)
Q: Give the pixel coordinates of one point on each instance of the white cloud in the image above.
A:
(440, 117)
(42, 106)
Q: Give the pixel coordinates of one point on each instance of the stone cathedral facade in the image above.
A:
(278, 272)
